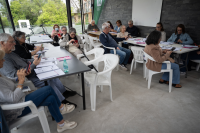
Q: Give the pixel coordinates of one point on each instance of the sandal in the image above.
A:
(161, 81)
(176, 85)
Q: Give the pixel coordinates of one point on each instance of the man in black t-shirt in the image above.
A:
(131, 29)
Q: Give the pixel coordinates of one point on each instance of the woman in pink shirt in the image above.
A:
(56, 31)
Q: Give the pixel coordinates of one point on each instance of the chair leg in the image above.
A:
(117, 67)
(144, 70)
(149, 79)
(111, 92)
(135, 65)
(132, 62)
(101, 88)
(147, 74)
(170, 80)
(198, 66)
(43, 121)
(93, 97)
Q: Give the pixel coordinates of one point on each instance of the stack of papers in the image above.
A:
(189, 46)
(45, 69)
(43, 51)
(46, 40)
(50, 74)
(166, 43)
(48, 59)
(170, 47)
(45, 64)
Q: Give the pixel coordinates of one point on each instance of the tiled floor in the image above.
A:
(135, 109)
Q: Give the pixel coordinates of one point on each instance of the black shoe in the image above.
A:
(65, 102)
(67, 94)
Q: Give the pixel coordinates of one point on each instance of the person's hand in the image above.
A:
(126, 37)
(36, 61)
(35, 57)
(198, 52)
(169, 52)
(38, 48)
(199, 46)
(112, 30)
(129, 36)
(118, 48)
(21, 75)
(60, 37)
(179, 41)
(55, 33)
(76, 44)
(28, 72)
(72, 40)
(94, 29)
(165, 51)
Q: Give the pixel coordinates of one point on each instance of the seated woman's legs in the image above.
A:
(46, 97)
(176, 73)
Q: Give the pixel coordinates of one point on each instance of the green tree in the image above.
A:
(53, 12)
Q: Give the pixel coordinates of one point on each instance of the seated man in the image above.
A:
(109, 41)
(14, 62)
(92, 26)
(131, 29)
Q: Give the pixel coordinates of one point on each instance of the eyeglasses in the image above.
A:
(64, 30)
(11, 42)
(73, 34)
(158, 27)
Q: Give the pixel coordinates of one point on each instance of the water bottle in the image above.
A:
(65, 66)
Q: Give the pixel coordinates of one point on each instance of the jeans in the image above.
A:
(124, 55)
(191, 56)
(44, 96)
(176, 73)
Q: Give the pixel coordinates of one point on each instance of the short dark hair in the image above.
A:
(153, 37)
(119, 21)
(182, 27)
(17, 34)
(162, 29)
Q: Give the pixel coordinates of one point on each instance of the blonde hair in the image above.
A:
(1, 54)
(121, 27)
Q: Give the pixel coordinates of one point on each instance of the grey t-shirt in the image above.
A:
(90, 27)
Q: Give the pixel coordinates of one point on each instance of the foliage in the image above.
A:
(53, 12)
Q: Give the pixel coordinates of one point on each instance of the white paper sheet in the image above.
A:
(50, 74)
(48, 59)
(45, 69)
(45, 64)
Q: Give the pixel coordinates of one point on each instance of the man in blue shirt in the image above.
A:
(109, 41)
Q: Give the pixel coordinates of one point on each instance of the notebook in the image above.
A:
(45, 69)
(50, 74)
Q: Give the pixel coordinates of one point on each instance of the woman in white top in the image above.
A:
(72, 42)
(159, 27)
(123, 33)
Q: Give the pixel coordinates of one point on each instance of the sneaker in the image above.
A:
(67, 109)
(123, 67)
(67, 125)
(183, 73)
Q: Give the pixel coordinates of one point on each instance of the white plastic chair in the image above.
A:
(137, 58)
(97, 52)
(101, 78)
(151, 73)
(198, 66)
(94, 44)
(111, 48)
(86, 42)
(35, 112)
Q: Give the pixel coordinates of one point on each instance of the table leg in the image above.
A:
(186, 65)
(83, 90)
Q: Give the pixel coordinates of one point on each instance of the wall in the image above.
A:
(114, 10)
(173, 13)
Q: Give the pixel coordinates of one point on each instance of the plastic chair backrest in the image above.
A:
(138, 53)
(91, 39)
(148, 56)
(98, 52)
(86, 38)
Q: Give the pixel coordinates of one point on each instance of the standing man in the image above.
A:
(131, 29)
(92, 26)
(109, 41)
